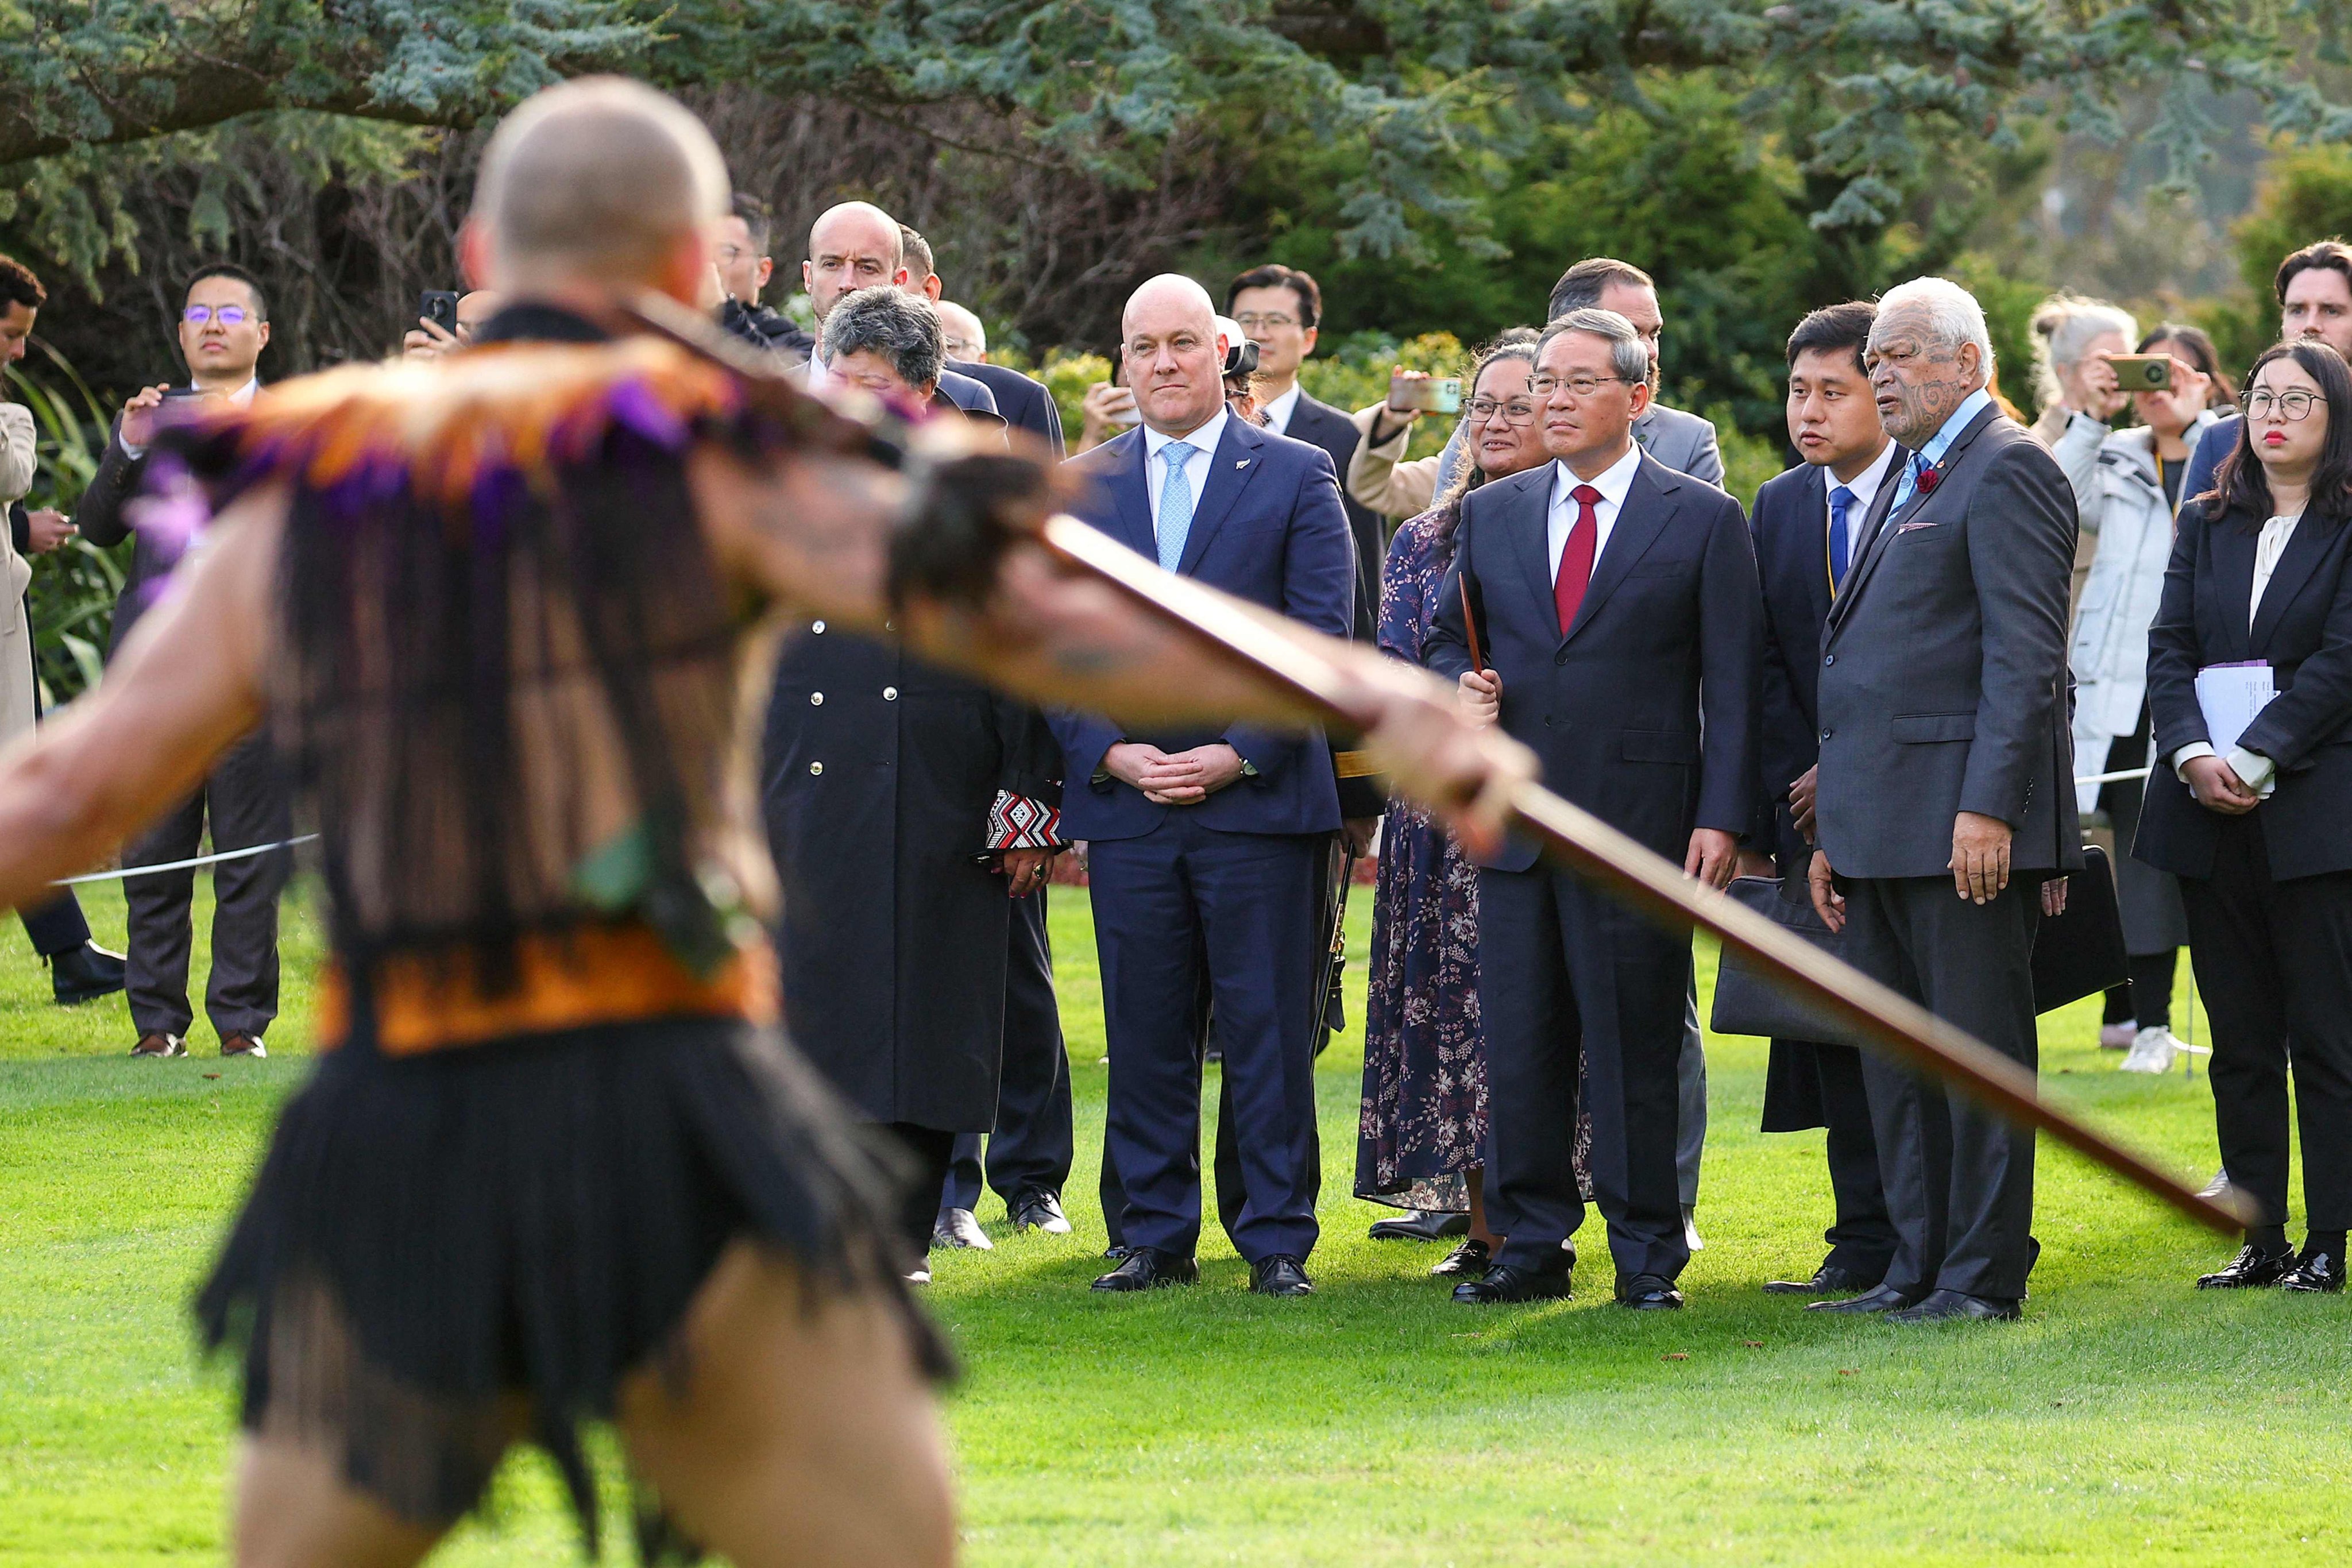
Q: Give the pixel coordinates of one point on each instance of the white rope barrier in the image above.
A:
(120, 873)
(2116, 777)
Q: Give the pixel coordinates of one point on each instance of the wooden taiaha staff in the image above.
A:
(1575, 839)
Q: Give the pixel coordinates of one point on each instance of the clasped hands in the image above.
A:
(1173, 778)
(2218, 787)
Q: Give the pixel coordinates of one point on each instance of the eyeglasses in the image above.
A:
(1517, 411)
(2289, 405)
(1582, 386)
(1271, 321)
(728, 255)
(226, 315)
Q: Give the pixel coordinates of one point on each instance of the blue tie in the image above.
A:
(1840, 540)
(1175, 505)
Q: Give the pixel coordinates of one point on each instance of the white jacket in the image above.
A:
(2121, 502)
(17, 456)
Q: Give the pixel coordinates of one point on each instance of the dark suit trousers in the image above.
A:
(1861, 1237)
(1032, 1144)
(1561, 966)
(1165, 904)
(1959, 1179)
(57, 926)
(2275, 961)
(247, 802)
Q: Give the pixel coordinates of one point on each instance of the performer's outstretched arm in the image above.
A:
(816, 533)
(184, 688)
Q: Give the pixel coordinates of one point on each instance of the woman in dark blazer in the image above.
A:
(2260, 831)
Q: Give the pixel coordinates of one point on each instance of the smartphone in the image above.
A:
(1431, 394)
(1131, 415)
(439, 306)
(2142, 373)
(173, 394)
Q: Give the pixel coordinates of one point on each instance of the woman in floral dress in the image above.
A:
(1425, 1108)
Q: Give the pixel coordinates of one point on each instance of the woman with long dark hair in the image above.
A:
(1424, 1110)
(2127, 502)
(2257, 823)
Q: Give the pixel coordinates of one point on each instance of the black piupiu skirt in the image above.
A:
(438, 1243)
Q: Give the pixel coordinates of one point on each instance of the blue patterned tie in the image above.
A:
(1175, 505)
(1840, 540)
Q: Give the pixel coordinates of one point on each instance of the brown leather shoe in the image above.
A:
(159, 1044)
(243, 1046)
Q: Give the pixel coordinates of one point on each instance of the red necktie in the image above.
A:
(1576, 557)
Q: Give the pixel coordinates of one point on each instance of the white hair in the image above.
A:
(2065, 327)
(1629, 356)
(1954, 316)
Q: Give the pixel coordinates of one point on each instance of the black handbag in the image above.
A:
(2081, 953)
(1749, 1001)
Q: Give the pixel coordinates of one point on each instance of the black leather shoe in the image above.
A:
(1467, 1261)
(2314, 1271)
(84, 973)
(1878, 1298)
(960, 1227)
(1039, 1210)
(1280, 1275)
(1148, 1268)
(1650, 1293)
(1827, 1280)
(2251, 1270)
(1949, 1306)
(1511, 1282)
(1420, 1226)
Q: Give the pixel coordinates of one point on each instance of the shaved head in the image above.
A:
(1170, 298)
(851, 246)
(599, 179)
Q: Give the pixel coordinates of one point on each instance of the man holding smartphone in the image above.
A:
(224, 326)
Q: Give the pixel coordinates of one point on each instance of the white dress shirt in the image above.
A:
(240, 398)
(2253, 770)
(1865, 485)
(1612, 485)
(1279, 412)
(1203, 442)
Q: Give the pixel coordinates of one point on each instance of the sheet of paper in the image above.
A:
(2231, 696)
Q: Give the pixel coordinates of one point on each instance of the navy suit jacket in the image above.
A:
(2303, 628)
(1793, 557)
(1645, 713)
(1268, 528)
(2212, 447)
(1025, 402)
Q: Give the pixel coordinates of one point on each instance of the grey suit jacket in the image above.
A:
(1943, 667)
(1683, 442)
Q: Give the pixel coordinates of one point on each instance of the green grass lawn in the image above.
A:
(2127, 1418)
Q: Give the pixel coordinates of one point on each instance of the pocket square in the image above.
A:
(1907, 527)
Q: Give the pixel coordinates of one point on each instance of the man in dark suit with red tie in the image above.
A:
(1620, 622)
(1807, 523)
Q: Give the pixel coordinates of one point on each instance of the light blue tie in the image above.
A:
(1175, 505)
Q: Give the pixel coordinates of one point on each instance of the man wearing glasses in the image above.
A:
(224, 327)
(1620, 623)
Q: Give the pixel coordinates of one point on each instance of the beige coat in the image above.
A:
(1382, 478)
(16, 462)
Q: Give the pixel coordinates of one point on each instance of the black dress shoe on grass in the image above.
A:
(2314, 1271)
(84, 973)
(1879, 1298)
(1148, 1268)
(1955, 1305)
(960, 1227)
(1280, 1275)
(1420, 1226)
(1467, 1261)
(1650, 1293)
(1039, 1210)
(1510, 1282)
(2252, 1269)
(1826, 1281)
